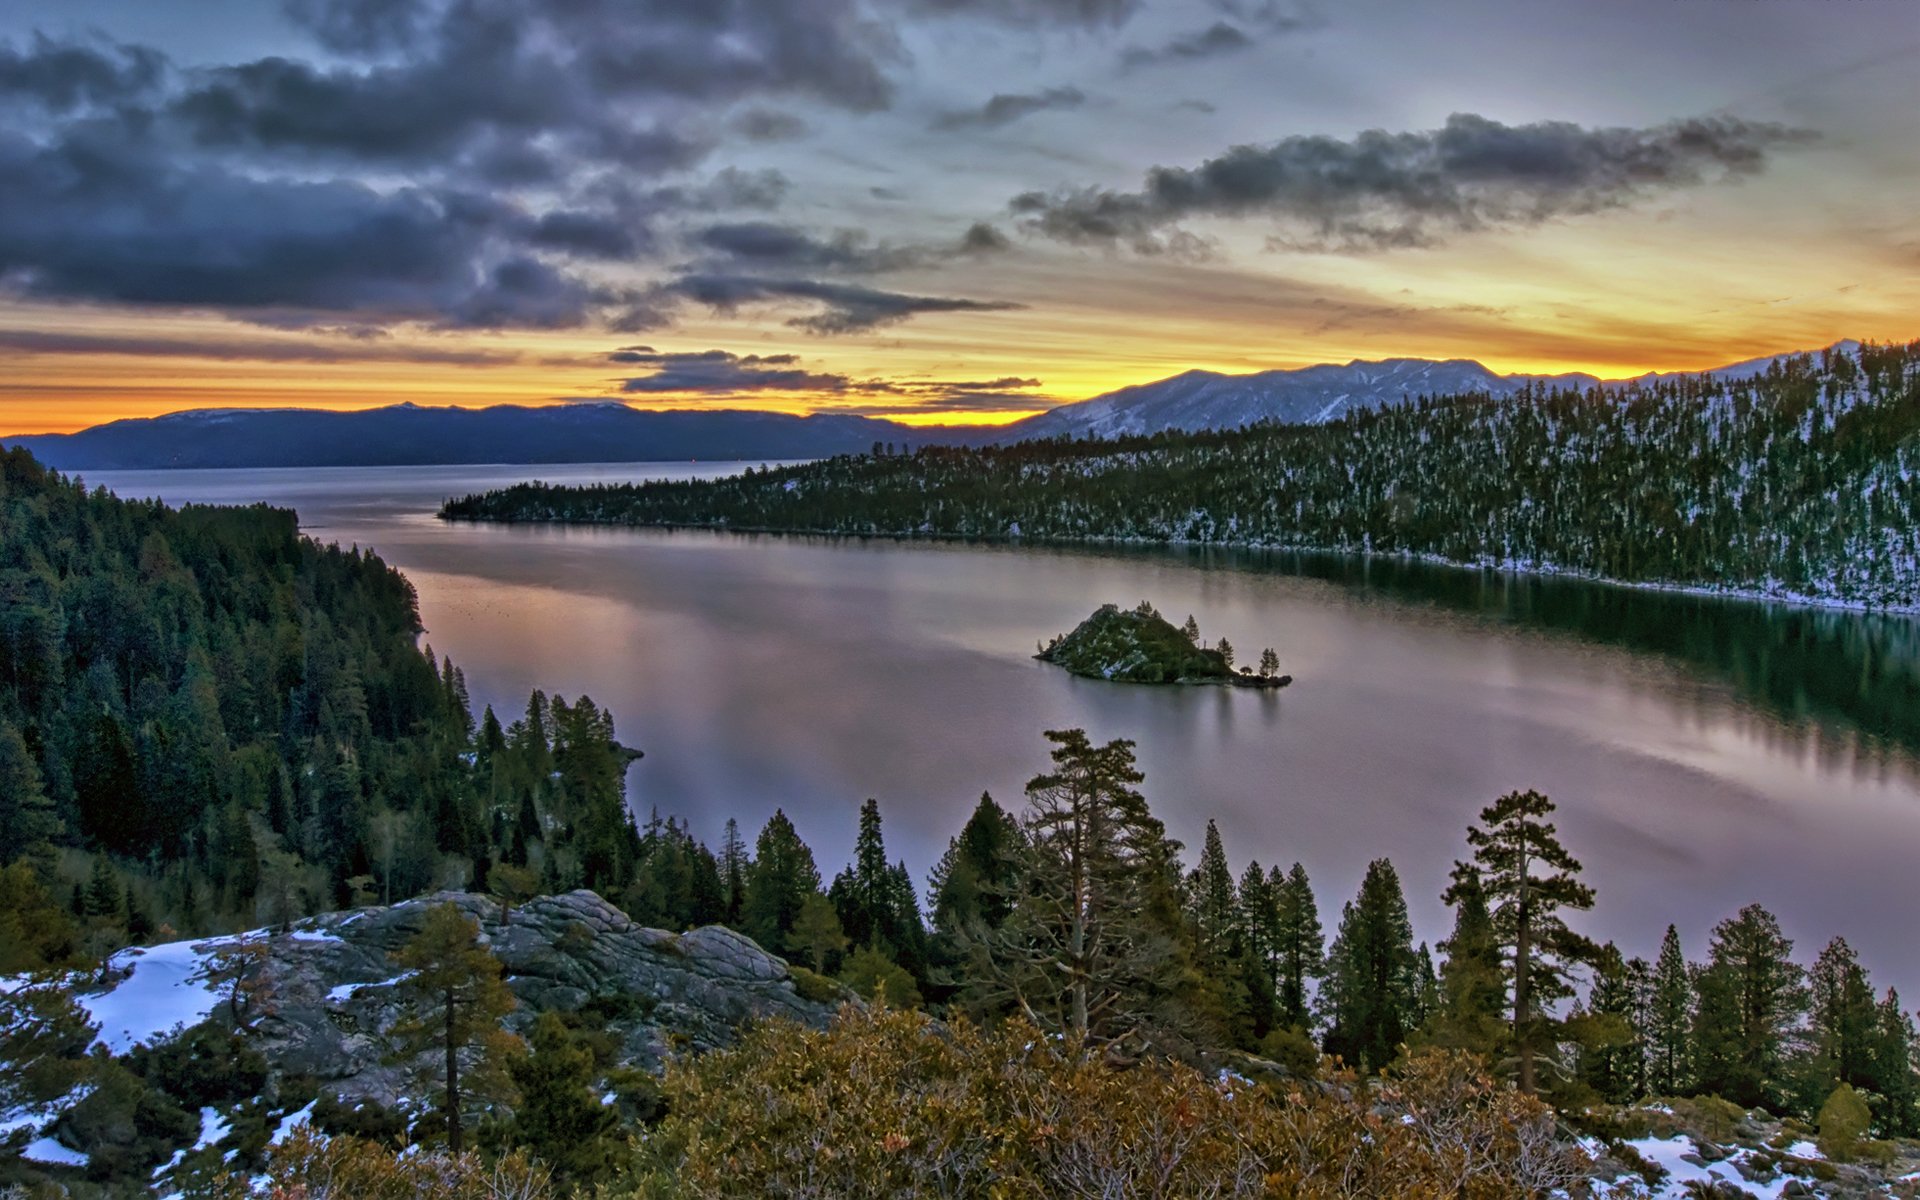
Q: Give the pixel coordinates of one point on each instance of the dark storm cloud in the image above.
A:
(767, 245)
(1383, 190)
(721, 371)
(1211, 42)
(1008, 107)
(64, 75)
(1092, 13)
(97, 216)
(20, 341)
(843, 307)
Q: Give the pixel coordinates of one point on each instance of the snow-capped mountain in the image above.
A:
(1208, 400)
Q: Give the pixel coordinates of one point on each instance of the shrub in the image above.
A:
(885, 1102)
(817, 988)
(1843, 1121)
(312, 1166)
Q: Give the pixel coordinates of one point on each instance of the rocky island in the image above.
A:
(1139, 645)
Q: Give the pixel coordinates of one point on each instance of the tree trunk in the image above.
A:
(1522, 983)
(453, 1082)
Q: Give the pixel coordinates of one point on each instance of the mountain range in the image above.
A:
(412, 435)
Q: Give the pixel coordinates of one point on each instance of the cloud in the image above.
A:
(767, 245)
(1032, 13)
(843, 308)
(102, 216)
(25, 341)
(984, 239)
(766, 125)
(1211, 42)
(63, 76)
(1008, 107)
(442, 77)
(1285, 16)
(1384, 190)
(723, 372)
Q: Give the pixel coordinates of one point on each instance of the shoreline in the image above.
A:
(1527, 571)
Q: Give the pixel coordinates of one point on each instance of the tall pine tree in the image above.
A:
(1370, 996)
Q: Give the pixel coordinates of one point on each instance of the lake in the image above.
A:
(1705, 754)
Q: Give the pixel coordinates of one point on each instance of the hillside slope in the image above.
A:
(1796, 483)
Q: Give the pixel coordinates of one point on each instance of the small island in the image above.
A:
(1140, 646)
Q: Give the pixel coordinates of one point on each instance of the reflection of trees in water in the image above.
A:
(1846, 685)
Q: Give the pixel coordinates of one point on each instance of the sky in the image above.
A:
(934, 210)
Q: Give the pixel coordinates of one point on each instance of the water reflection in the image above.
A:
(1706, 754)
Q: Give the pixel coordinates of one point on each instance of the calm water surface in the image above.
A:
(1704, 754)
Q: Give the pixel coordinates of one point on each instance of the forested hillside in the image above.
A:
(208, 721)
(1795, 483)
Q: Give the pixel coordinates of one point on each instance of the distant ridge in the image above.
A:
(411, 435)
(608, 431)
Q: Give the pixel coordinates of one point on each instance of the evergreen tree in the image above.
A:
(453, 998)
(1669, 1031)
(1214, 904)
(559, 1118)
(1191, 629)
(1371, 992)
(1269, 663)
(1751, 997)
(27, 820)
(1610, 1051)
(1225, 650)
(816, 933)
(1512, 842)
(734, 864)
(1298, 947)
(1845, 1021)
(783, 875)
(1893, 1068)
(1092, 946)
(974, 880)
(1470, 1014)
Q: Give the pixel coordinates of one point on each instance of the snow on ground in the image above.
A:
(213, 1127)
(167, 989)
(345, 991)
(1671, 1154)
(313, 935)
(291, 1122)
(46, 1150)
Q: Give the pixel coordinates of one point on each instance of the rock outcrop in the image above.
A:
(333, 1000)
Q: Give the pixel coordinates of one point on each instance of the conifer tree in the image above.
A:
(1259, 922)
(1298, 946)
(1091, 946)
(1473, 993)
(454, 998)
(1269, 663)
(559, 1118)
(27, 820)
(1513, 841)
(1213, 900)
(816, 932)
(1751, 997)
(783, 875)
(1371, 992)
(1225, 649)
(1669, 1031)
(1845, 1020)
(974, 880)
(1609, 1043)
(734, 863)
(1191, 629)
(1893, 1068)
